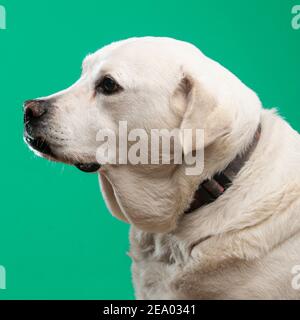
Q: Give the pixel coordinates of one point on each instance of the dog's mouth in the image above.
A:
(44, 149)
(88, 167)
(39, 144)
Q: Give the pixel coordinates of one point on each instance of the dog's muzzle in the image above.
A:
(35, 113)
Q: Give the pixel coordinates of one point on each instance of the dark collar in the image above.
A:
(210, 190)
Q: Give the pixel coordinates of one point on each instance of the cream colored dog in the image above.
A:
(243, 245)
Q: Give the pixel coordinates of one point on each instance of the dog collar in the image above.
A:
(211, 189)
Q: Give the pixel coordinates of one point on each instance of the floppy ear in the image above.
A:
(201, 112)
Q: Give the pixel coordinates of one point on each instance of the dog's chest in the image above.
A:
(156, 260)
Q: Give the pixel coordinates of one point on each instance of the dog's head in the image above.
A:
(151, 83)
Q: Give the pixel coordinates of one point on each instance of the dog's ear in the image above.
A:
(200, 111)
(110, 198)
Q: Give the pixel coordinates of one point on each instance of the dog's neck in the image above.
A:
(211, 189)
(169, 191)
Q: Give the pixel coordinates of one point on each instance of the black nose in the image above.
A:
(34, 110)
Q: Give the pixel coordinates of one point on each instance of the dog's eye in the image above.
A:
(107, 85)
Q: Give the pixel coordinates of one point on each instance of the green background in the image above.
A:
(57, 239)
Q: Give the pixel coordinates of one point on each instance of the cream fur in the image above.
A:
(242, 246)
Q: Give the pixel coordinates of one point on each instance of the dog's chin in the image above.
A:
(43, 149)
(88, 167)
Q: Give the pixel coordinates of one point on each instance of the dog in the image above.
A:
(243, 240)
